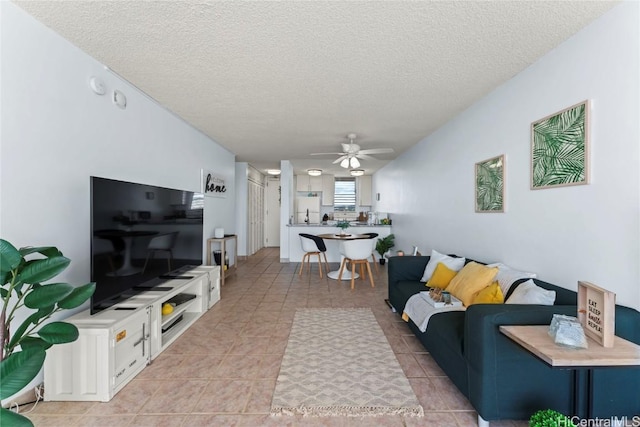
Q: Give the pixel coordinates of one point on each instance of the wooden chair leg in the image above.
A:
(326, 263)
(302, 264)
(353, 274)
(375, 264)
(342, 264)
(319, 264)
(370, 276)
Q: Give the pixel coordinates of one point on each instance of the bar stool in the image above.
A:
(313, 245)
(357, 252)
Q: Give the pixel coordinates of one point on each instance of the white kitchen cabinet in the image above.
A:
(328, 190)
(364, 190)
(115, 344)
(308, 183)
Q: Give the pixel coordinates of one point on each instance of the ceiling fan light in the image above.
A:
(356, 172)
(355, 163)
(345, 163)
(314, 172)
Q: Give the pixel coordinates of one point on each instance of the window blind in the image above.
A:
(344, 198)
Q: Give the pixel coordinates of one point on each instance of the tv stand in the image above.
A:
(117, 343)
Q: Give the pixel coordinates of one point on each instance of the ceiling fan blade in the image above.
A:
(339, 159)
(326, 154)
(365, 156)
(377, 151)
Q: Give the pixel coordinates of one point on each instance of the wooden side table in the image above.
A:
(535, 339)
(233, 260)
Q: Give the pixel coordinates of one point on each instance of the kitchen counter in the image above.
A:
(335, 226)
(333, 246)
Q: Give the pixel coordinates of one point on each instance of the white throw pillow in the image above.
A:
(507, 275)
(452, 263)
(530, 293)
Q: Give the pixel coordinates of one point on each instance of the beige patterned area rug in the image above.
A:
(338, 362)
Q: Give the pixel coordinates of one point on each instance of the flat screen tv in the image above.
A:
(140, 233)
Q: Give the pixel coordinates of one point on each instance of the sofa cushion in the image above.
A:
(404, 290)
(470, 280)
(441, 277)
(530, 293)
(507, 276)
(453, 263)
(492, 294)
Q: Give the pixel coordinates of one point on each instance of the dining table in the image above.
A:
(346, 274)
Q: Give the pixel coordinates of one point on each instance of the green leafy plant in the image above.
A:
(24, 350)
(490, 185)
(384, 244)
(343, 225)
(559, 153)
(550, 418)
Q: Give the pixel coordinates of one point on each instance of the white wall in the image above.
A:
(589, 232)
(55, 133)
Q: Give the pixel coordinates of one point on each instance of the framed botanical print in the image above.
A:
(560, 148)
(489, 192)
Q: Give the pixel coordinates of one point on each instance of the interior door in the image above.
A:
(272, 212)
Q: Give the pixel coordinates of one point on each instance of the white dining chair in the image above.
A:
(357, 252)
(313, 245)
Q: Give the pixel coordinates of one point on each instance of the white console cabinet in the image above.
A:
(114, 345)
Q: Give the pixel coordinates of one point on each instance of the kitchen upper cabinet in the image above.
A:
(308, 183)
(302, 182)
(364, 190)
(328, 190)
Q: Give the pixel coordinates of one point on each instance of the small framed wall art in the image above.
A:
(560, 148)
(489, 193)
(596, 313)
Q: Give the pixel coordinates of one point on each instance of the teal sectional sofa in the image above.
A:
(501, 379)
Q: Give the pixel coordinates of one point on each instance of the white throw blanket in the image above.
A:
(420, 311)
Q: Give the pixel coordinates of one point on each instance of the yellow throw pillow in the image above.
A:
(471, 279)
(441, 277)
(492, 294)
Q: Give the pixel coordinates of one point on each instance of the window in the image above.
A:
(344, 199)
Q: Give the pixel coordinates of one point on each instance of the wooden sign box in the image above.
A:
(596, 312)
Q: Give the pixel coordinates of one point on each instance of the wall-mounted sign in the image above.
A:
(596, 312)
(213, 185)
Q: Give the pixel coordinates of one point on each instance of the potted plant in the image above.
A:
(343, 225)
(383, 245)
(23, 351)
(550, 418)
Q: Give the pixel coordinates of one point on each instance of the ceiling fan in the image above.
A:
(351, 152)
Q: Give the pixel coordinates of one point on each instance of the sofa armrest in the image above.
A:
(406, 268)
(497, 366)
(482, 335)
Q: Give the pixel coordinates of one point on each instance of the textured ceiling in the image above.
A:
(279, 80)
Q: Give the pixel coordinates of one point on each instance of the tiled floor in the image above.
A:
(222, 371)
